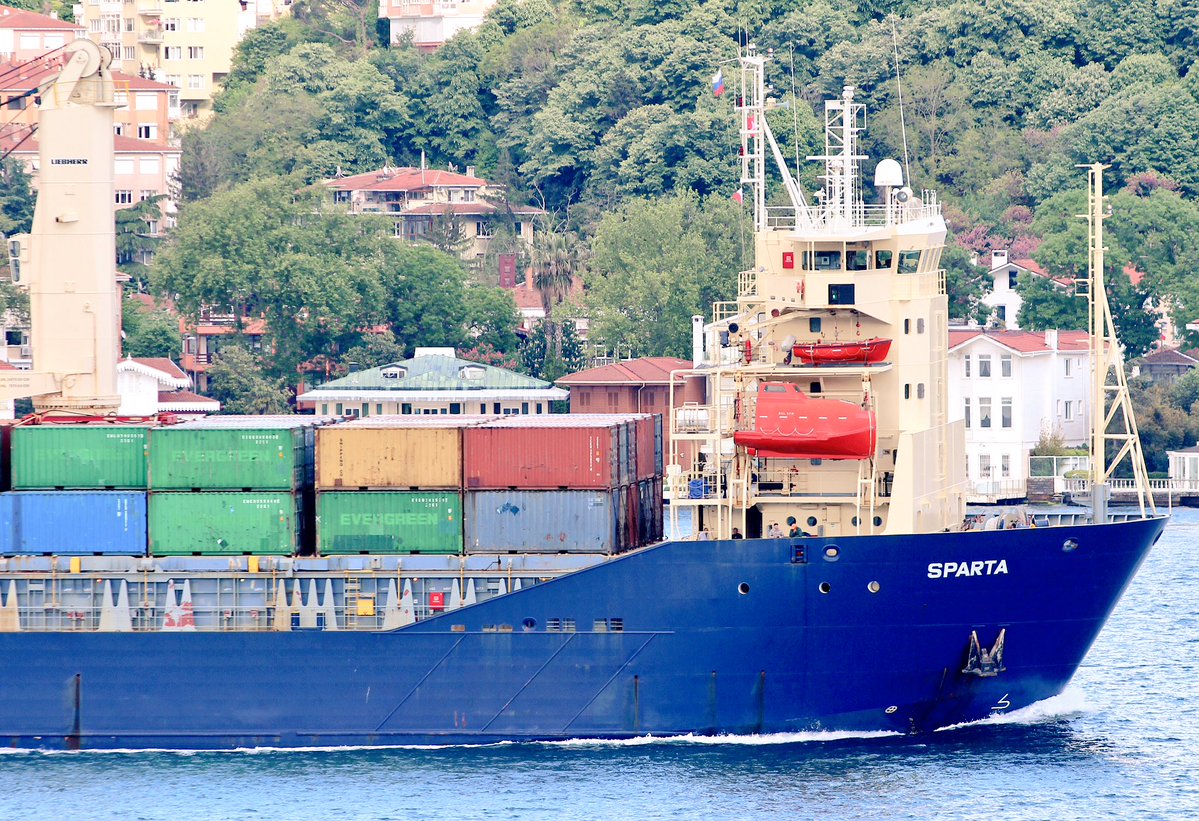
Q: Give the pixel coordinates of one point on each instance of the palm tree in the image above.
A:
(556, 257)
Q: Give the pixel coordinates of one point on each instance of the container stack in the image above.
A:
(78, 489)
(232, 485)
(557, 484)
(391, 484)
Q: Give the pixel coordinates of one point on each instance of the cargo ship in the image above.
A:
(313, 582)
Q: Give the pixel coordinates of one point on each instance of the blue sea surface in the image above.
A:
(1121, 743)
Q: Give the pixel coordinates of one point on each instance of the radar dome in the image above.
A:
(888, 173)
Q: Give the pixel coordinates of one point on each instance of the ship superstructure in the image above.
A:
(845, 306)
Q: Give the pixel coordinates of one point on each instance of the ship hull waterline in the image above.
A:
(679, 638)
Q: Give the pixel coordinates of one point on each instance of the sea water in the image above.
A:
(1121, 743)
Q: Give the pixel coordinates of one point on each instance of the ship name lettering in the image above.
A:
(945, 570)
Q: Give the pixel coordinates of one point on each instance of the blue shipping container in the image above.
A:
(543, 521)
(73, 522)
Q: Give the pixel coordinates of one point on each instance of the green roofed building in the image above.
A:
(435, 381)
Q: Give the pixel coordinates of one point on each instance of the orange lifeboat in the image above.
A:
(866, 352)
(789, 424)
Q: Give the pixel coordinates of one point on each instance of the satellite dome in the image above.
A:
(888, 173)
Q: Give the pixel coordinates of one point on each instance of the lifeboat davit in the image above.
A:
(789, 424)
(865, 352)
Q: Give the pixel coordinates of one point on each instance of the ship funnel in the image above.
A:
(888, 174)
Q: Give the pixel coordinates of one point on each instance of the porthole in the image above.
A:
(811, 521)
(873, 587)
(743, 588)
(854, 521)
(878, 521)
(832, 553)
(529, 623)
(1069, 546)
(825, 587)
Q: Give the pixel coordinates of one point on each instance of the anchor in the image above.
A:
(985, 663)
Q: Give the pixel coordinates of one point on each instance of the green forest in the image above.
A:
(602, 113)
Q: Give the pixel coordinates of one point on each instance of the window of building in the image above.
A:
(984, 366)
(195, 52)
(127, 22)
(1069, 411)
(147, 101)
(152, 227)
(147, 132)
(524, 407)
(173, 53)
(984, 465)
(1005, 466)
(148, 165)
(455, 407)
(984, 412)
(1001, 313)
(16, 103)
(613, 399)
(1005, 365)
(170, 24)
(195, 81)
(124, 197)
(195, 25)
(147, 193)
(495, 407)
(483, 229)
(175, 80)
(93, 25)
(118, 129)
(1005, 412)
(338, 408)
(1012, 277)
(128, 53)
(967, 410)
(966, 363)
(406, 407)
(1068, 366)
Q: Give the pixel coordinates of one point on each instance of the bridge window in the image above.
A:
(822, 260)
(909, 262)
(857, 260)
(882, 259)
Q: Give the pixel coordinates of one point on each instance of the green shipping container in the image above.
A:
(79, 457)
(210, 456)
(389, 522)
(215, 523)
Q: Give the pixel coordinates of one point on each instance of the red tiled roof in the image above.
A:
(170, 397)
(1134, 276)
(11, 18)
(7, 366)
(528, 299)
(18, 76)
(154, 303)
(648, 370)
(161, 363)
(404, 179)
(11, 143)
(1024, 341)
(1169, 356)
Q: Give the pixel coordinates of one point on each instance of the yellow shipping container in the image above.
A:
(392, 452)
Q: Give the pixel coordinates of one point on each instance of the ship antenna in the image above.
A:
(903, 128)
(794, 109)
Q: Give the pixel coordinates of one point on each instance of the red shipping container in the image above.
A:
(647, 461)
(569, 451)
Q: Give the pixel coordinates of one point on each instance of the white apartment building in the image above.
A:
(1010, 387)
(431, 22)
(185, 43)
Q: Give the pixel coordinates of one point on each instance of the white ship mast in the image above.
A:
(68, 260)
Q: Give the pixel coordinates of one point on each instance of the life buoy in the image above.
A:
(749, 351)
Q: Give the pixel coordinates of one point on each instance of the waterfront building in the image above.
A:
(429, 23)
(26, 35)
(433, 381)
(1012, 387)
(150, 385)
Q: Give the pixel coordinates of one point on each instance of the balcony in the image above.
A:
(150, 11)
(151, 37)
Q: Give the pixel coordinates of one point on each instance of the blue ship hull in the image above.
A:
(682, 637)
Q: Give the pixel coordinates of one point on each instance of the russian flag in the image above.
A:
(718, 82)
